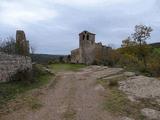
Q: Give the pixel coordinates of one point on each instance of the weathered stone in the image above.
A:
(141, 87)
(132, 99)
(21, 43)
(127, 118)
(151, 114)
(158, 101)
(89, 52)
(99, 88)
(117, 76)
(129, 74)
(48, 71)
(11, 64)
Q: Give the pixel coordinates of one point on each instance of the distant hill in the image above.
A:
(45, 58)
(155, 44)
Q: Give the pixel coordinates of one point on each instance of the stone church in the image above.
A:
(89, 51)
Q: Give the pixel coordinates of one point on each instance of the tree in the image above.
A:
(128, 42)
(8, 45)
(61, 59)
(142, 33)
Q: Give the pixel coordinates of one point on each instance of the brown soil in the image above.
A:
(76, 96)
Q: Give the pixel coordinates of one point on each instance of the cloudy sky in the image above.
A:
(52, 26)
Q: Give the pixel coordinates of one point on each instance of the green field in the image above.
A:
(66, 67)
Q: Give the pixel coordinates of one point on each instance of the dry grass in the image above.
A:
(117, 102)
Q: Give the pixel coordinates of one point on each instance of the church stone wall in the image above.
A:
(75, 56)
(88, 51)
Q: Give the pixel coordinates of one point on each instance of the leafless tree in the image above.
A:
(8, 45)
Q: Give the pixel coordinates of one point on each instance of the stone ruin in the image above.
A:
(22, 44)
(12, 64)
(89, 51)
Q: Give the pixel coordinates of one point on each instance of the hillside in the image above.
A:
(157, 44)
(45, 58)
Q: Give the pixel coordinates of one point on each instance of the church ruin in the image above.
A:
(89, 51)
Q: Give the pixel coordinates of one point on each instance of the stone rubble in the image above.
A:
(129, 74)
(141, 87)
(151, 114)
(127, 118)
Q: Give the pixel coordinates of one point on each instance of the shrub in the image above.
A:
(25, 76)
(112, 82)
(95, 62)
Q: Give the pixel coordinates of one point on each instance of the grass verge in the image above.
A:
(117, 102)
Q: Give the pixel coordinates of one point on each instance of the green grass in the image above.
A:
(66, 67)
(11, 90)
(116, 101)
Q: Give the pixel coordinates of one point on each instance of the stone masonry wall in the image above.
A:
(89, 51)
(11, 64)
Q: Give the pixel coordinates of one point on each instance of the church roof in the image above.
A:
(86, 32)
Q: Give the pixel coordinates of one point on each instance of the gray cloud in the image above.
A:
(52, 26)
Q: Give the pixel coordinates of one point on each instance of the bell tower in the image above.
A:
(86, 39)
(87, 45)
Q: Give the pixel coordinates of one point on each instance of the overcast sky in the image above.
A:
(52, 26)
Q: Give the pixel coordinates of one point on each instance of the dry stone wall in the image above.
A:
(11, 64)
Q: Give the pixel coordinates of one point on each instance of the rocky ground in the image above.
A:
(78, 96)
(146, 89)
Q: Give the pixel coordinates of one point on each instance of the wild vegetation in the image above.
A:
(10, 90)
(41, 77)
(8, 45)
(135, 54)
(117, 102)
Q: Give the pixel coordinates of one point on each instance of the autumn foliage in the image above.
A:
(136, 54)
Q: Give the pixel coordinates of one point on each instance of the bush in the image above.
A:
(112, 83)
(37, 71)
(154, 67)
(23, 83)
(25, 76)
(29, 76)
(8, 46)
(95, 62)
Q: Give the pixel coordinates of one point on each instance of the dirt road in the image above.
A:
(76, 96)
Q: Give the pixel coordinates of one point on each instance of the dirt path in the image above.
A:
(76, 96)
